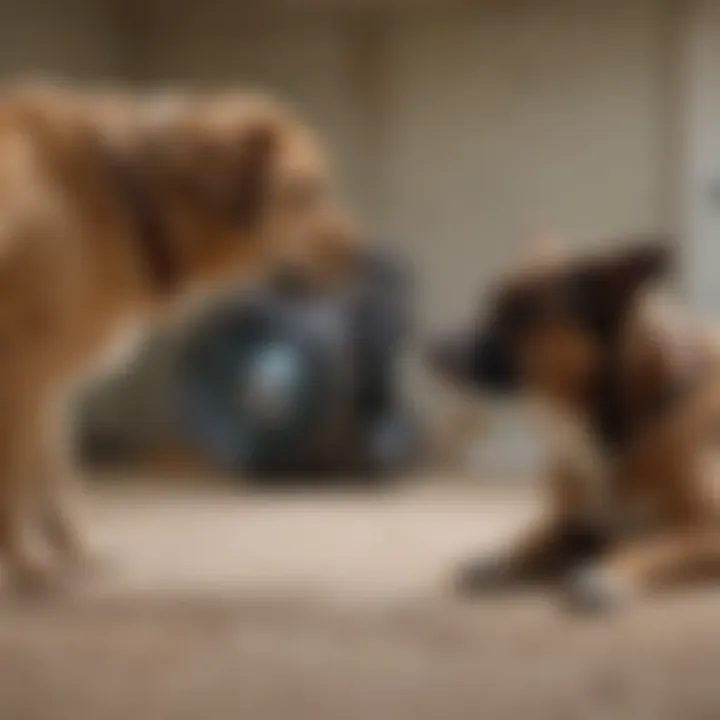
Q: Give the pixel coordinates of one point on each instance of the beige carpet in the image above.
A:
(220, 605)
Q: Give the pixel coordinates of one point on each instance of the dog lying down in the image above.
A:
(630, 391)
(112, 210)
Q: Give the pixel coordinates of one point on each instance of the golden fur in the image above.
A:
(113, 209)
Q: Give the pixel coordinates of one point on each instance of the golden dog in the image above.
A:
(113, 209)
(633, 394)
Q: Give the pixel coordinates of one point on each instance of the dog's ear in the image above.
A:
(230, 174)
(223, 169)
(639, 261)
(607, 286)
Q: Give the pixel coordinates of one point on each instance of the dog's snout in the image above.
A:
(485, 362)
(496, 368)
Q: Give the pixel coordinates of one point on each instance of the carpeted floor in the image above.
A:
(218, 605)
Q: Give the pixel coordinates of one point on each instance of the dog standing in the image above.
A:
(112, 210)
(631, 395)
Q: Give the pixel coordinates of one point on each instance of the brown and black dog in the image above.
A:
(631, 392)
(112, 210)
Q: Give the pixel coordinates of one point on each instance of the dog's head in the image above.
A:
(548, 328)
(243, 186)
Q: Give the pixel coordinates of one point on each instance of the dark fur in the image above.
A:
(577, 333)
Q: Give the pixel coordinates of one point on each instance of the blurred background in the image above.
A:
(460, 129)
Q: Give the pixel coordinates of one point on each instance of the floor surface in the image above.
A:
(217, 604)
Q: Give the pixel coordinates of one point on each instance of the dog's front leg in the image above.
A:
(27, 560)
(544, 552)
(61, 492)
(665, 560)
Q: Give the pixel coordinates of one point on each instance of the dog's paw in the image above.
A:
(596, 590)
(484, 575)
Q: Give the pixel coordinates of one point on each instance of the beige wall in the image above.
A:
(699, 166)
(458, 130)
(454, 130)
(503, 122)
(60, 39)
(303, 58)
